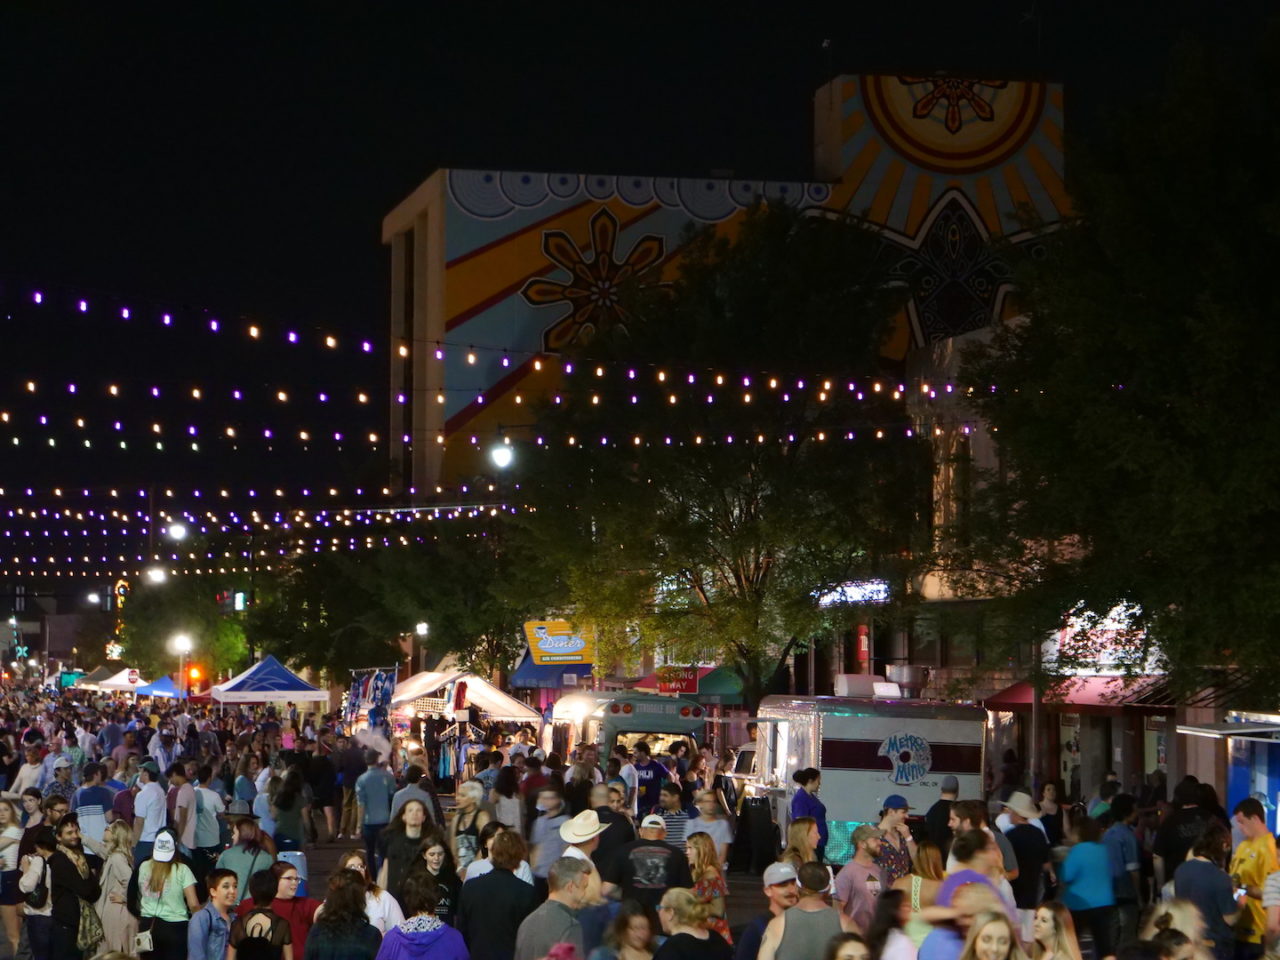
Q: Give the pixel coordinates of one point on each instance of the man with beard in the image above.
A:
(74, 881)
(782, 891)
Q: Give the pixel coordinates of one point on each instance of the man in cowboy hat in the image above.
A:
(1031, 850)
(582, 834)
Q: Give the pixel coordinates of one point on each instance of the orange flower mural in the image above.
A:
(953, 91)
(592, 290)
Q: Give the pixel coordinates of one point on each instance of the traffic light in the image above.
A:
(193, 673)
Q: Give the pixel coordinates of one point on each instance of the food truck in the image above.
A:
(866, 748)
(629, 718)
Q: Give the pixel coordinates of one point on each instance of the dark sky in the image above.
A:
(241, 156)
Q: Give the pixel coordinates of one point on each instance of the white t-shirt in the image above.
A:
(383, 911)
(208, 834)
(150, 805)
(9, 855)
(630, 778)
(479, 867)
(186, 800)
(717, 830)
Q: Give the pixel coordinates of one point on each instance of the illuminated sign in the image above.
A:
(855, 592)
(556, 642)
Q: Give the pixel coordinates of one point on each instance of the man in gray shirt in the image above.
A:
(556, 920)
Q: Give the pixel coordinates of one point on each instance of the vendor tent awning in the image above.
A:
(548, 676)
(121, 681)
(1098, 695)
(92, 680)
(266, 680)
(480, 694)
(164, 687)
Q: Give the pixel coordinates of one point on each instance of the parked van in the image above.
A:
(866, 749)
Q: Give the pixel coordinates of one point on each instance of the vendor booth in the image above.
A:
(267, 681)
(127, 680)
(164, 687)
(91, 680)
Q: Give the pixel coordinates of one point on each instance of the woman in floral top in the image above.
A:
(708, 882)
(897, 848)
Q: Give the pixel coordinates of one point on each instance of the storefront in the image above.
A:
(543, 684)
(1090, 725)
(1252, 746)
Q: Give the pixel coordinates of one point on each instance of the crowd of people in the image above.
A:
(169, 832)
(1121, 876)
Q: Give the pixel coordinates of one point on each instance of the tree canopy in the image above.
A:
(1134, 410)
(705, 516)
(155, 613)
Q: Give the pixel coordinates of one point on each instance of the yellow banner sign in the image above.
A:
(555, 641)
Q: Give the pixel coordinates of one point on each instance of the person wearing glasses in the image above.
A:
(298, 912)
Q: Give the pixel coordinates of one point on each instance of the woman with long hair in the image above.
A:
(468, 819)
(298, 912)
(694, 780)
(1054, 933)
(342, 930)
(577, 792)
(246, 776)
(684, 920)
(435, 860)
(921, 888)
(262, 806)
(399, 843)
(287, 803)
(259, 932)
(27, 777)
(251, 850)
(802, 842)
(422, 935)
(1052, 813)
(886, 935)
(380, 907)
(632, 935)
(709, 885)
(119, 926)
(10, 895)
(991, 937)
(508, 805)
(166, 898)
(805, 804)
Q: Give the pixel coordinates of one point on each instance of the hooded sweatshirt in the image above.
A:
(423, 938)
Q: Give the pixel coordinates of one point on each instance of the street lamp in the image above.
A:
(94, 598)
(421, 629)
(502, 456)
(181, 645)
(157, 575)
(177, 531)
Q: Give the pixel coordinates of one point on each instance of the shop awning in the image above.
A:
(1262, 732)
(1099, 695)
(548, 676)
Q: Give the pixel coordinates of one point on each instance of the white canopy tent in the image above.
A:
(121, 681)
(481, 694)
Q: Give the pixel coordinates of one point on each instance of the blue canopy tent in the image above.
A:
(164, 687)
(267, 680)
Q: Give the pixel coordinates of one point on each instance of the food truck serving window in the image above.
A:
(659, 743)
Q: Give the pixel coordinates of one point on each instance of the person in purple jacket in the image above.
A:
(423, 936)
(805, 803)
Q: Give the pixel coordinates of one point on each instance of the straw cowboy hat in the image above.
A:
(582, 827)
(1022, 804)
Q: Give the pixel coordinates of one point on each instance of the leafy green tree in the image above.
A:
(1135, 406)
(343, 611)
(708, 528)
(155, 613)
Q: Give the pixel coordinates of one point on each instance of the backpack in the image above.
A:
(39, 897)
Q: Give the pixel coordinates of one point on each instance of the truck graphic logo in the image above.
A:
(909, 755)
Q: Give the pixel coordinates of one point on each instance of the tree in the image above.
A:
(155, 613)
(709, 527)
(344, 611)
(1137, 425)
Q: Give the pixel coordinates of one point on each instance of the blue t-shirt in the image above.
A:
(1209, 888)
(649, 780)
(1122, 847)
(1086, 873)
(93, 797)
(942, 943)
(374, 790)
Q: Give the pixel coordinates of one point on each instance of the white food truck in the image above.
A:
(867, 749)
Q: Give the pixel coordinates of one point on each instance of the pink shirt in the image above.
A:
(858, 888)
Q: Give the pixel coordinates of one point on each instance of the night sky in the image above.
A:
(234, 161)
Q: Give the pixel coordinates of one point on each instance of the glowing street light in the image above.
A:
(502, 456)
(177, 531)
(94, 598)
(157, 575)
(421, 629)
(181, 645)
